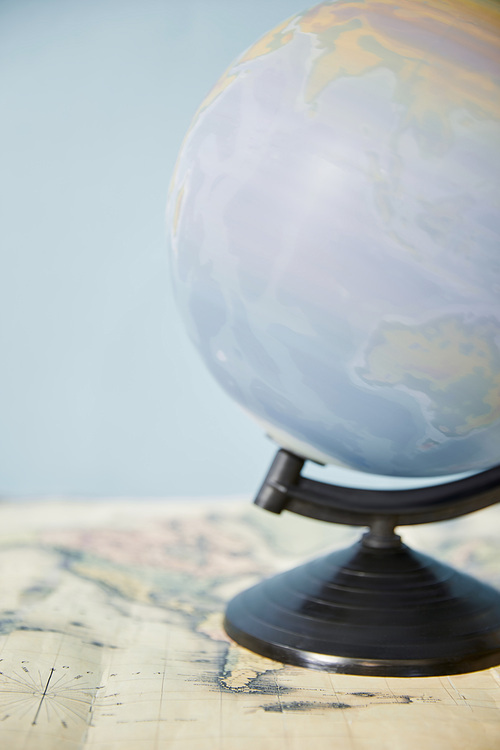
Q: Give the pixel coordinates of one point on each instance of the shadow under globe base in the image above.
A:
(378, 607)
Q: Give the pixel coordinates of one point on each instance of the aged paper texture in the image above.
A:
(111, 637)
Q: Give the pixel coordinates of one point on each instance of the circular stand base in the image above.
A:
(367, 611)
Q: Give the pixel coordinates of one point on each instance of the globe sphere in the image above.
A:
(335, 234)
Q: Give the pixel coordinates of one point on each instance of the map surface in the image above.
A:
(111, 637)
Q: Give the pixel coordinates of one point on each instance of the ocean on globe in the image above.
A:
(334, 228)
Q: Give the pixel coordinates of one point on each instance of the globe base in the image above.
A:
(364, 610)
(378, 607)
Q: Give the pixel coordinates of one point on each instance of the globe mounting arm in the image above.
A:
(286, 489)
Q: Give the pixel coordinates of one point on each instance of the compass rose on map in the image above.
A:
(46, 695)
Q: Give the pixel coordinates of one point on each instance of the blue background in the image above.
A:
(100, 391)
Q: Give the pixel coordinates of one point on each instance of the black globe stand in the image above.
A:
(377, 607)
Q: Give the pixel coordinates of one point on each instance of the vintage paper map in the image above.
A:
(111, 638)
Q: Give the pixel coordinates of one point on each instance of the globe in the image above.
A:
(334, 228)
